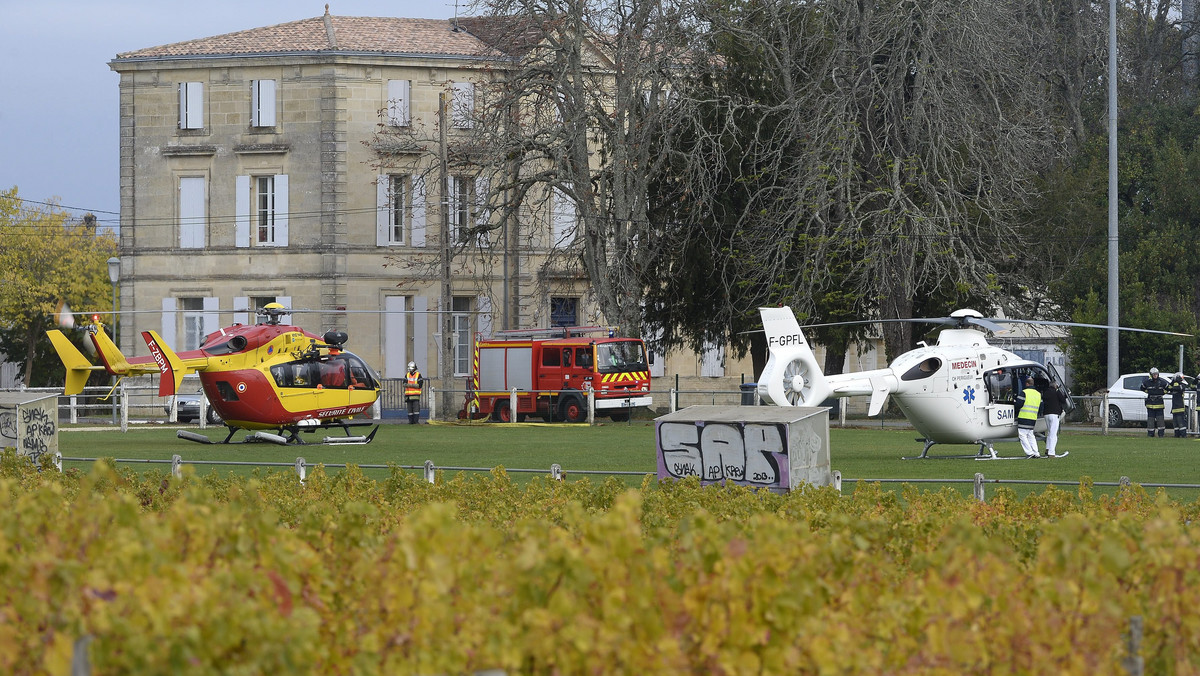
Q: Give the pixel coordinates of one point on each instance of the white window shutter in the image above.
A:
(451, 201)
(418, 211)
(262, 103)
(483, 212)
(658, 359)
(563, 218)
(484, 303)
(167, 327)
(183, 118)
(462, 104)
(211, 317)
(398, 106)
(421, 335)
(281, 209)
(383, 210)
(395, 336)
(241, 303)
(191, 105)
(241, 211)
(712, 361)
(285, 301)
(191, 212)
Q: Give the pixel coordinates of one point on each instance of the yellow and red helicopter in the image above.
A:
(266, 376)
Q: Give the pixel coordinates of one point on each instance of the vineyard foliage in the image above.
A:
(348, 575)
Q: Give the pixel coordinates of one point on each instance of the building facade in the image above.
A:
(254, 169)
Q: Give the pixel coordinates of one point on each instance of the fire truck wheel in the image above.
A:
(502, 413)
(572, 410)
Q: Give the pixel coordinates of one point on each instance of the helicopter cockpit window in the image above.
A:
(333, 373)
(360, 375)
(923, 370)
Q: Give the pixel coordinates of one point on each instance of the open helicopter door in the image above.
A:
(1058, 382)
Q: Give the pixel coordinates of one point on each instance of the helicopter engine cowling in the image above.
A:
(792, 376)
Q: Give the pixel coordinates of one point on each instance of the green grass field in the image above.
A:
(859, 454)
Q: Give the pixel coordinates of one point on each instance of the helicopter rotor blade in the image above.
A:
(1089, 326)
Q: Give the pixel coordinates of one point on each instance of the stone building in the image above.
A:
(251, 173)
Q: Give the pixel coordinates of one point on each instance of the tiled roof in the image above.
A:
(330, 34)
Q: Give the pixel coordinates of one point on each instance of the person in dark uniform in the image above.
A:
(1178, 390)
(1155, 387)
(1054, 402)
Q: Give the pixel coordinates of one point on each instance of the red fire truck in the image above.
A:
(552, 370)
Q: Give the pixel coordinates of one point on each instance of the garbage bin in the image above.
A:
(835, 406)
(749, 390)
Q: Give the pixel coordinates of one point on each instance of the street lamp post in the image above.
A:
(114, 274)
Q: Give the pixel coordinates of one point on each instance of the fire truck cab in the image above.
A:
(553, 370)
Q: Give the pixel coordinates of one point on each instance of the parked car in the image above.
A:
(1127, 402)
(189, 408)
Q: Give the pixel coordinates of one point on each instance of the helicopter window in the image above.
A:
(333, 373)
(226, 391)
(297, 374)
(360, 374)
(923, 370)
(1000, 386)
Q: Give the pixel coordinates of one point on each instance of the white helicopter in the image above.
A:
(959, 391)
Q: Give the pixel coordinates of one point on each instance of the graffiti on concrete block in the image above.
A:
(8, 428)
(38, 430)
(30, 427)
(752, 454)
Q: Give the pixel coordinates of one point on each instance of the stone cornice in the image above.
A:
(261, 148)
(187, 150)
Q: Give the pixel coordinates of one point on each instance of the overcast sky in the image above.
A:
(58, 97)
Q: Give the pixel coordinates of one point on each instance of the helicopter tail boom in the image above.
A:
(792, 376)
(878, 384)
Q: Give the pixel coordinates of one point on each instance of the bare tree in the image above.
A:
(900, 136)
(570, 130)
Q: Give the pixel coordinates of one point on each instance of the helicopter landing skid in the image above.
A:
(293, 435)
(986, 452)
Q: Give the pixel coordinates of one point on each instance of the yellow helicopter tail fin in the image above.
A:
(170, 367)
(792, 376)
(78, 366)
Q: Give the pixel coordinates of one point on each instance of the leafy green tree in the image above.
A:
(47, 258)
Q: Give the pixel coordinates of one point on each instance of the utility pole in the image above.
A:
(446, 318)
(1114, 282)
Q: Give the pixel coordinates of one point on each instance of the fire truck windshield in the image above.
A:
(620, 356)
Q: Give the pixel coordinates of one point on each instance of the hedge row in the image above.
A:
(347, 575)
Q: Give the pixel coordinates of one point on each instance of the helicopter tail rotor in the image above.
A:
(792, 376)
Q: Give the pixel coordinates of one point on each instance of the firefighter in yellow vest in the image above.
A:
(1028, 405)
(412, 393)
